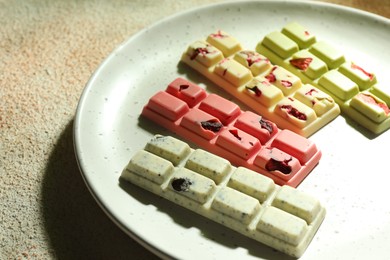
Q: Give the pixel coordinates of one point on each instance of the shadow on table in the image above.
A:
(76, 226)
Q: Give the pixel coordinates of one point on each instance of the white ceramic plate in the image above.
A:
(351, 179)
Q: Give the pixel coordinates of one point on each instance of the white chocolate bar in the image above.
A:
(318, 63)
(265, 88)
(281, 217)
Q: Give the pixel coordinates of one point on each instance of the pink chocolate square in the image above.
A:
(238, 142)
(225, 110)
(187, 91)
(256, 126)
(298, 146)
(194, 120)
(278, 162)
(168, 106)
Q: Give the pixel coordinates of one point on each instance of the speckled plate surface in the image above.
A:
(351, 179)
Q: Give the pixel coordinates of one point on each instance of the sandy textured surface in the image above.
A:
(48, 50)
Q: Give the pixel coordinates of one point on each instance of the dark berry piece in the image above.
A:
(181, 184)
(212, 125)
(234, 132)
(301, 63)
(184, 86)
(275, 165)
(294, 112)
(255, 90)
(266, 125)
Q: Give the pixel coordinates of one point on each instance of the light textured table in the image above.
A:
(48, 51)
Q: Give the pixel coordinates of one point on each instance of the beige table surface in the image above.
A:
(48, 51)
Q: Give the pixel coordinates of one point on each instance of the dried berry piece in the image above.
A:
(212, 125)
(219, 34)
(266, 125)
(356, 67)
(301, 63)
(271, 76)
(275, 165)
(234, 132)
(184, 86)
(370, 100)
(311, 91)
(252, 57)
(201, 51)
(286, 83)
(181, 184)
(255, 90)
(294, 112)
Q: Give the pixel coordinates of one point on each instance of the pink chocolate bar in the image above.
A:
(242, 137)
